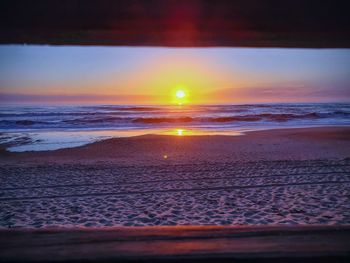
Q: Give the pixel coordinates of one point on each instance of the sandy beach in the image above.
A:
(288, 177)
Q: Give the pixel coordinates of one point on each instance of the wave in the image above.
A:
(287, 117)
(111, 108)
(138, 116)
(94, 120)
(22, 122)
(235, 118)
(52, 114)
(160, 120)
(245, 118)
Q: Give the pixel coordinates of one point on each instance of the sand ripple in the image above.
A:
(264, 192)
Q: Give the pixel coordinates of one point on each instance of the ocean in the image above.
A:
(34, 128)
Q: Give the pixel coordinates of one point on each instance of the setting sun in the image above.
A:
(180, 94)
(179, 132)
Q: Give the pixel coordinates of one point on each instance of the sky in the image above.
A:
(153, 75)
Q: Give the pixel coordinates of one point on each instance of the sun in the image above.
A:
(179, 132)
(180, 94)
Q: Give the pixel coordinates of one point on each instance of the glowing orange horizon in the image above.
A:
(153, 75)
(171, 79)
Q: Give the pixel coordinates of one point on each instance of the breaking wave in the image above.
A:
(135, 117)
(245, 118)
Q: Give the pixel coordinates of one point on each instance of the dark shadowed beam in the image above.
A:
(192, 23)
(179, 243)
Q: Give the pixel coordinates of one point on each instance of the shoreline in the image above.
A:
(24, 140)
(314, 142)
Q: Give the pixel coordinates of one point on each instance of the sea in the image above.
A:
(38, 128)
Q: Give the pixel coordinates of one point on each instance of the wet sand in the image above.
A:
(284, 177)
